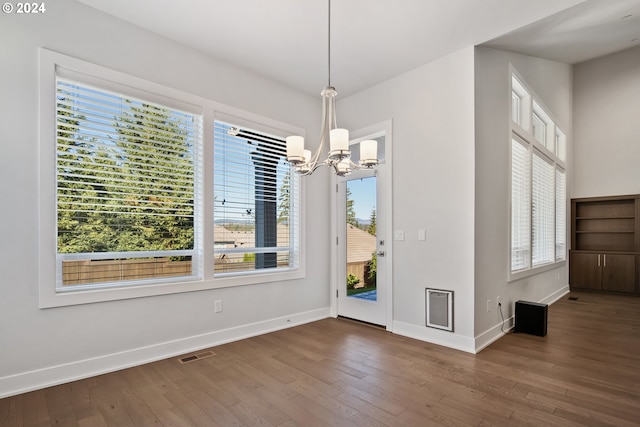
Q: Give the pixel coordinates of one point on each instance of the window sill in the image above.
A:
(50, 297)
(514, 277)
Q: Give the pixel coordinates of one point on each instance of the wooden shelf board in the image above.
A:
(604, 232)
(604, 217)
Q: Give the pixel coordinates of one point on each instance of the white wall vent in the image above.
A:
(439, 305)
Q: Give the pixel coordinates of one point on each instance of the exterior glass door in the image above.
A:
(361, 251)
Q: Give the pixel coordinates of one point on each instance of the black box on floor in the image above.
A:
(531, 318)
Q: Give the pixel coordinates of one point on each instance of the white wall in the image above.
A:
(552, 83)
(433, 173)
(607, 125)
(38, 347)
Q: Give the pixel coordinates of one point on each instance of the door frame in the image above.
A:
(386, 199)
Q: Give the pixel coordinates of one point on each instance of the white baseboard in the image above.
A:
(60, 374)
(434, 336)
(550, 299)
(495, 333)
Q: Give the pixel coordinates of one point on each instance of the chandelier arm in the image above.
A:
(317, 166)
(358, 166)
(332, 113)
(312, 169)
(313, 164)
(323, 135)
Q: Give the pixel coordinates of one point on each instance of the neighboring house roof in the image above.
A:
(221, 235)
(360, 244)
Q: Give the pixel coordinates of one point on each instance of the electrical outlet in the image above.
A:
(488, 305)
(217, 306)
(498, 301)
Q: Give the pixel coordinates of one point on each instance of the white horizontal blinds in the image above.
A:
(543, 211)
(254, 195)
(520, 207)
(126, 179)
(561, 215)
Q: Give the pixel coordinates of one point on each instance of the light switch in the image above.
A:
(422, 234)
(399, 235)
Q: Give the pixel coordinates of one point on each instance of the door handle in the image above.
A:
(598, 260)
(604, 257)
(380, 253)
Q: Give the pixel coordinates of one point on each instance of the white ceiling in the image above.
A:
(586, 31)
(374, 40)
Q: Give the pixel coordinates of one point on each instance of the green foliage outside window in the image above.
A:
(352, 281)
(117, 191)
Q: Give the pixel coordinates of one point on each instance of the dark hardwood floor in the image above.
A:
(586, 371)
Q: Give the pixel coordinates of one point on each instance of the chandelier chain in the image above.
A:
(329, 44)
(336, 140)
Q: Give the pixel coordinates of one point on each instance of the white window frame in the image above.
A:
(548, 125)
(552, 149)
(561, 214)
(523, 97)
(49, 294)
(539, 127)
(70, 82)
(293, 223)
(560, 144)
(523, 210)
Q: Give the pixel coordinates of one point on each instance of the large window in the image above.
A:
(126, 176)
(538, 183)
(254, 190)
(145, 191)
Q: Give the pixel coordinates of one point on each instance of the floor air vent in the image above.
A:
(197, 356)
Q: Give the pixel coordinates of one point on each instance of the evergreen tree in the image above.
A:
(80, 159)
(154, 205)
(284, 198)
(351, 211)
(372, 270)
(372, 222)
(128, 186)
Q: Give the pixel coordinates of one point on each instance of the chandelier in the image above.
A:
(339, 155)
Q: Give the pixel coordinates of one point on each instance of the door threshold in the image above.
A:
(362, 322)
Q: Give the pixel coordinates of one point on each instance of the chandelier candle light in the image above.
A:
(339, 156)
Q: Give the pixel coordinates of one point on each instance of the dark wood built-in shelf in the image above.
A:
(605, 232)
(605, 244)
